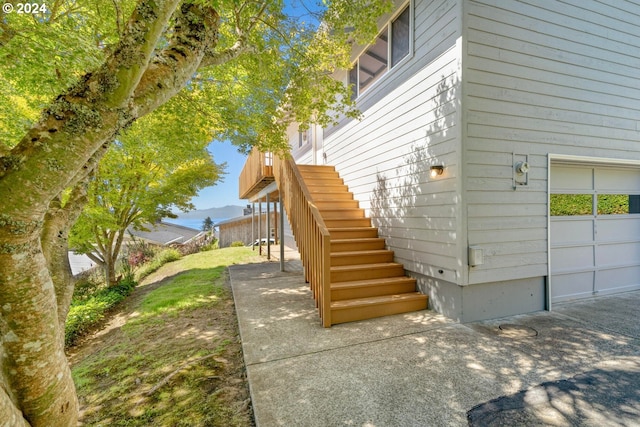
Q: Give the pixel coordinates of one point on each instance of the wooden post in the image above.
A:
(281, 231)
(268, 227)
(260, 226)
(253, 226)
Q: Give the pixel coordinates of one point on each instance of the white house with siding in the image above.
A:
(525, 104)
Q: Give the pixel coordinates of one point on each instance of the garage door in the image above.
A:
(595, 230)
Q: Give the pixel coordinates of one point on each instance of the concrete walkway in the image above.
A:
(576, 366)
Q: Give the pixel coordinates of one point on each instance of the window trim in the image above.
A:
(356, 94)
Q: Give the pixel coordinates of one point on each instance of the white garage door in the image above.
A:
(595, 230)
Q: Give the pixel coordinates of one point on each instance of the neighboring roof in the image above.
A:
(164, 233)
(236, 219)
(79, 263)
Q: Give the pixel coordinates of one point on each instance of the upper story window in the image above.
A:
(304, 137)
(393, 42)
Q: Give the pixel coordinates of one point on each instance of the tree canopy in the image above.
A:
(76, 77)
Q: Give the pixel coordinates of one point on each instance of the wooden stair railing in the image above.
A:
(351, 273)
(312, 236)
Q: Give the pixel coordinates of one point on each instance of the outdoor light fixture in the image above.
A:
(436, 170)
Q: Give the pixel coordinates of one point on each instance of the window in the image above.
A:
(374, 62)
(400, 37)
(571, 204)
(303, 137)
(606, 204)
(618, 204)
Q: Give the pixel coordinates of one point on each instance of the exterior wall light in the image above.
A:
(436, 170)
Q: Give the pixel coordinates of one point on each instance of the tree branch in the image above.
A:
(196, 32)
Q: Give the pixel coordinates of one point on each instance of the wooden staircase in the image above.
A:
(365, 282)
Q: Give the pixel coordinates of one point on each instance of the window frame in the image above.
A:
(357, 91)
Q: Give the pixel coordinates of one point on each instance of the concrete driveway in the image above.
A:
(578, 365)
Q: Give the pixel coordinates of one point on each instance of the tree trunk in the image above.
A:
(55, 234)
(37, 373)
(35, 380)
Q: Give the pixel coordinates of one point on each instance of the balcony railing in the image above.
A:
(256, 174)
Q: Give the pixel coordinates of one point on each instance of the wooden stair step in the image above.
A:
(353, 232)
(338, 213)
(365, 244)
(361, 257)
(329, 197)
(372, 287)
(347, 222)
(315, 168)
(327, 188)
(367, 308)
(346, 273)
(343, 203)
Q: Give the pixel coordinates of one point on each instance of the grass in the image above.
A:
(177, 360)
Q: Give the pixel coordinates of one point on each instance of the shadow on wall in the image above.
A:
(415, 213)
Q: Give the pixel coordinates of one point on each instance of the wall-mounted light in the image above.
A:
(520, 170)
(436, 170)
(522, 167)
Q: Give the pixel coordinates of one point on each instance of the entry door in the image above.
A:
(595, 230)
(318, 149)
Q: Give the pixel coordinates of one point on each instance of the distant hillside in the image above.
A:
(229, 211)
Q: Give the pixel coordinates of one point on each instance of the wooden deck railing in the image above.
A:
(256, 174)
(312, 236)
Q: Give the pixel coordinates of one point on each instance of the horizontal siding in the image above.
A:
(540, 77)
(410, 121)
(436, 31)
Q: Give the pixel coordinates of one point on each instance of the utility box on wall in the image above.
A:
(476, 256)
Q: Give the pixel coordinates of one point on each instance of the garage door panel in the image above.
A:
(618, 280)
(575, 231)
(619, 229)
(572, 258)
(571, 286)
(617, 180)
(572, 178)
(617, 254)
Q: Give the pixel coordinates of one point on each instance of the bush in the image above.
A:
(158, 261)
(237, 244)
(210, 246)
(88, 310)
(139, 252)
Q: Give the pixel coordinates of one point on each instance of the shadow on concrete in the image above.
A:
(606, 396)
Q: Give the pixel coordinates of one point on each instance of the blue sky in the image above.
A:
(226, 192)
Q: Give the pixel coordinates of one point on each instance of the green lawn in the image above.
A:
(176, 358)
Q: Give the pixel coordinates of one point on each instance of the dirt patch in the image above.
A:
(185, 369)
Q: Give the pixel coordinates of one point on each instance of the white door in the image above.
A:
(318, 149)
(595, 230)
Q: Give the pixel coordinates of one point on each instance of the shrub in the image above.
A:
(88, 310)
(158, 261)
(210, 246)
(237, 244)
(139, 252)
